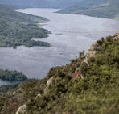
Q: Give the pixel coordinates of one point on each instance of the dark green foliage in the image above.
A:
(99, 42)
(83, 68)
(32, 43)
(61, 74)
(6, 88)
(92, 60)
(109, 39)
(7, 75)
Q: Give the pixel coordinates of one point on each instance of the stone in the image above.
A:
(81, 76)
(38, 95)
(86, 60)
(21, 109)
(49, 81)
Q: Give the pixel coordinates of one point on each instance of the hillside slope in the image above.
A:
(88, 85)
(95, 8)
(40, 3)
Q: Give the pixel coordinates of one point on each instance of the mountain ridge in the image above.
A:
(100, 9)
(44, 3)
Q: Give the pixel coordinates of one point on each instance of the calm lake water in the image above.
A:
(71, 33)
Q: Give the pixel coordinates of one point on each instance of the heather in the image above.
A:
(81, 87)
(96, 93)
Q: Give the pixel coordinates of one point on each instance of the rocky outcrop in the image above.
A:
(49, 81)
(38, 96)
(92, 49)
(21, 109)
(91, 52)
(48, 84)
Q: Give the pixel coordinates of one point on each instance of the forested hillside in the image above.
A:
(88, 85)
(40, 3)
(95, 8)
(7, 75)
(17, 28)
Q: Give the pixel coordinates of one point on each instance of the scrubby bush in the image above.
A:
(96, 93)
(83, 68)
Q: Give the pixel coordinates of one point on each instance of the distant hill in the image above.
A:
(95, 8)
(41, 3)
(17, 28)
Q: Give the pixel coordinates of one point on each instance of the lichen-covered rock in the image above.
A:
(21, 109)
(49, 81)
(38, 96)
(86, 60)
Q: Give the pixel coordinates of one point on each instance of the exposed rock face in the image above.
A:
(49, 81)
(21, 109)
(92, 48)
(38, 95)
(48, 84)
(86, 60)
(91, 52)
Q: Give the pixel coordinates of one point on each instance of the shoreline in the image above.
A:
(70, 60)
